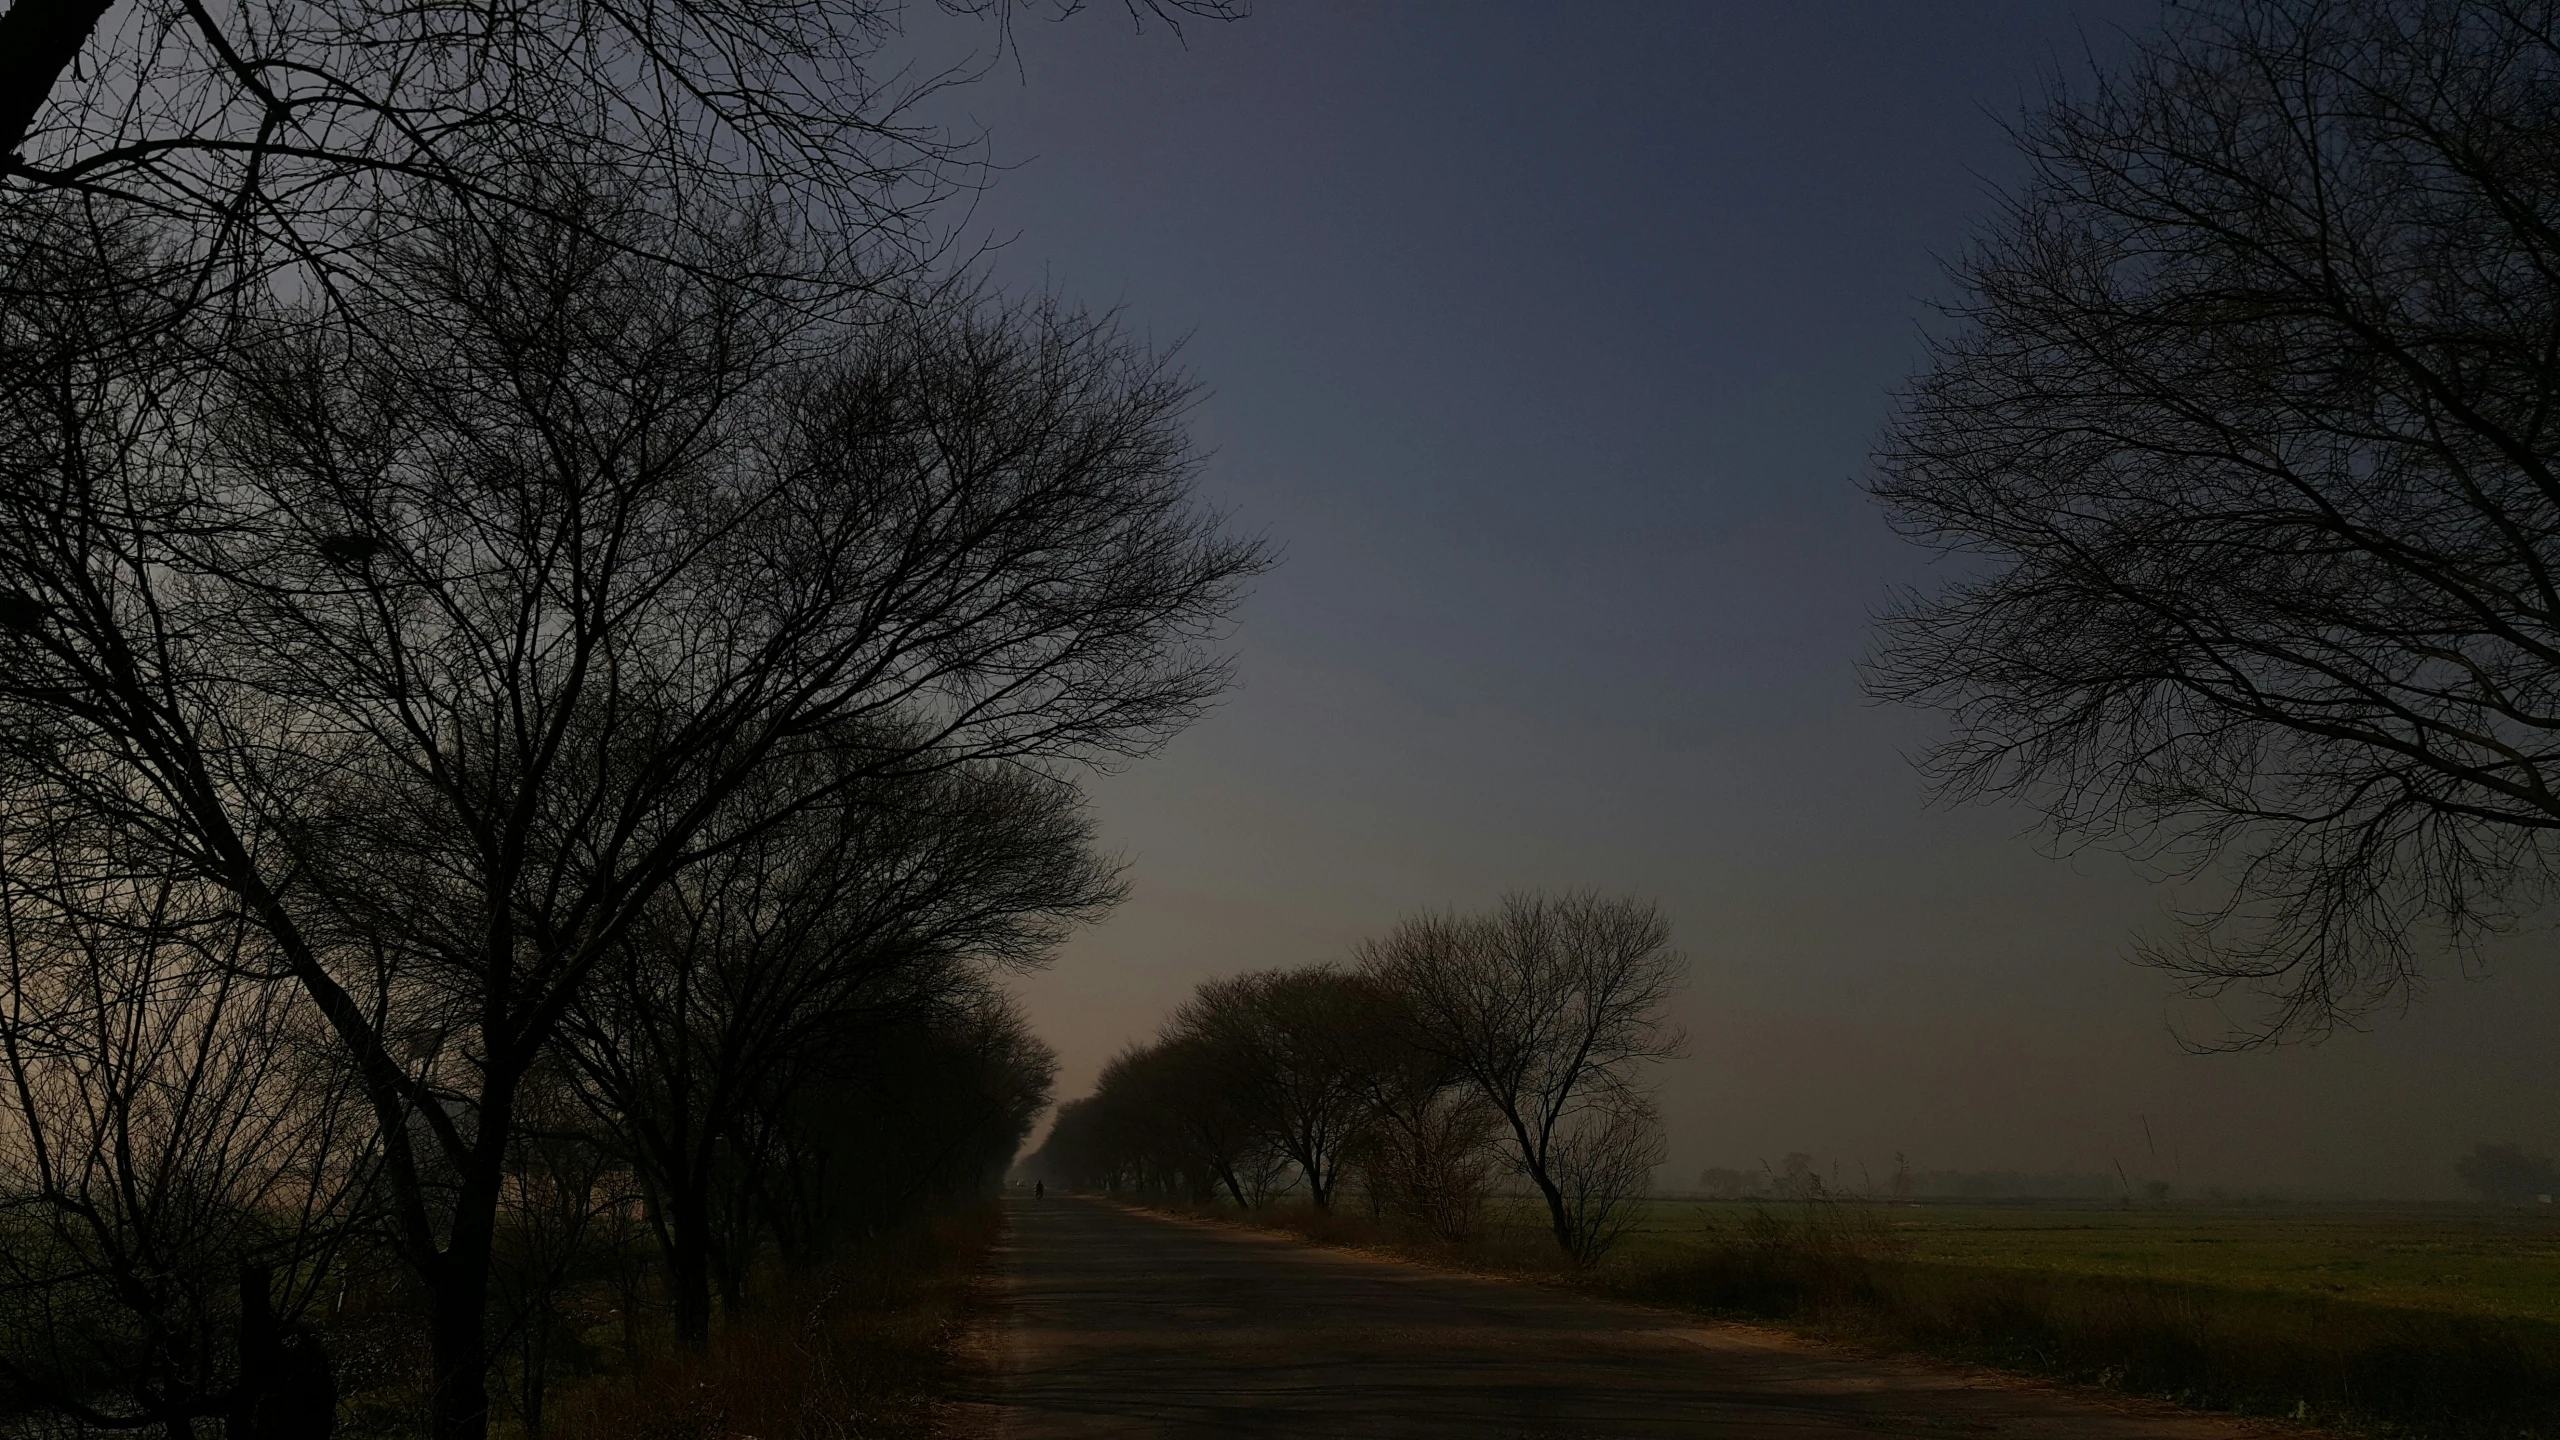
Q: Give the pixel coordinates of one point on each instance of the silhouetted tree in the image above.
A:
(437, 645)
(764, 970)
(1532, 1024)
(2505, 1174)
(1078, 1153)
(929, 1108)
(1167, 1118)
(1427, 1149)
(271, 132)
(1306, 1049)
(1549, 1006)
(181, 1160)
(2246, 440)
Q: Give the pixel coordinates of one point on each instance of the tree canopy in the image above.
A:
(2243, 441)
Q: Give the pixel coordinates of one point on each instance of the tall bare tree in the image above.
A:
(1550, 1007)
(2246, 440)
(181, 1159)
(447, 626)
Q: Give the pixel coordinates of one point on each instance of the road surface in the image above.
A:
(1110, 1322)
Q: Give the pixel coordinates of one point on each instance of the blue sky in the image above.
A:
(1547, 343)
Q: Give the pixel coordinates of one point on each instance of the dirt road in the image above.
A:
(1116, 1323)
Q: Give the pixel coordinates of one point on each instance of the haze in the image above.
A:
(1547, 343)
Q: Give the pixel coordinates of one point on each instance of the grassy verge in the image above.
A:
(861, 1347)
(1840, 1272)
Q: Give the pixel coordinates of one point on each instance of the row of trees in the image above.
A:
(544, 647)
(544, 655)
(1451, 1052)
(542, 714)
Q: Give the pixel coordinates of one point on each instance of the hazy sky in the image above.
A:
(1547, 343)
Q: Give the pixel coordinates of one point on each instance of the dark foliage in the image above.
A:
(2506, 1174)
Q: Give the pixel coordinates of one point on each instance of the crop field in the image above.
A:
(2464, 1260)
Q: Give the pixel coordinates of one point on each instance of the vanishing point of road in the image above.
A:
(1111, 1322)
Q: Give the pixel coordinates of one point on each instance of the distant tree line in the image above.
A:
(2507, 1174)
(1795, 1177)
(1453, 1052)
(2504, 1173)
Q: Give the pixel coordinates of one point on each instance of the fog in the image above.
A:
(1547, 345)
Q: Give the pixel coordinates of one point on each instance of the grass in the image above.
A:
(2456, 1260)
(2442, 1324)
(861, 1346)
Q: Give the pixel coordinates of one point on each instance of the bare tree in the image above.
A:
(2247, 442)
(442, 642)
(267, 132)
(764, 970)
(1182, 1102)
(1305, 1047)
(924, 1110)
(1550, 1007)
(1602, 1162)
(1428, 1150)
(1166, 1118)
(180, 1161)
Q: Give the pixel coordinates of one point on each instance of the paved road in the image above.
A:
(1116, 1323)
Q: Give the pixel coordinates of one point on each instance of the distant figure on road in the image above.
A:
(1039, 1189)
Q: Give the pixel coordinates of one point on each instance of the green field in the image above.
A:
(2456, 1259)
(2438, 1321)
(2412, 1322)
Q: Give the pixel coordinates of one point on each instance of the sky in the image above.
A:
(1546, 344)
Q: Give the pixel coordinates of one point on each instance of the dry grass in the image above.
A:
(862, 1347)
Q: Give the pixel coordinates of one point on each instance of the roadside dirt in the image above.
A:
(1105, 1321)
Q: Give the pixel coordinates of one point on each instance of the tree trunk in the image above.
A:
(1533, 1161)
(38, 41)
(257, 1342)
(689, 1264)
(458, 1345)
(729, 1272)
(458, 1322)
(1556, 1211)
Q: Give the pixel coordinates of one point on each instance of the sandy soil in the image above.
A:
(1110, 1322)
